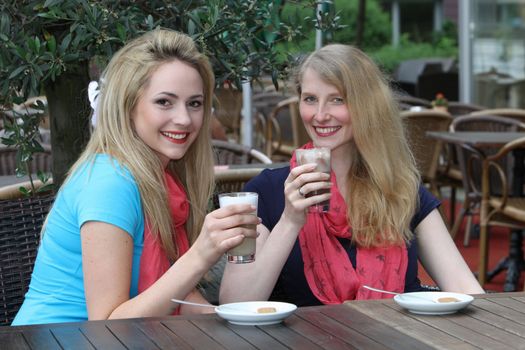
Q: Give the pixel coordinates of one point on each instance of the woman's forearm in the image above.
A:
(178, 282)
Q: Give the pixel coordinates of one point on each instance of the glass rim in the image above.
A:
(238, 194)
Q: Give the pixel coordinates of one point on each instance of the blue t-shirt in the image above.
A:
(103, 191)
(292, 285)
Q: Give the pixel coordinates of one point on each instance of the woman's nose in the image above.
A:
(322, 112)
(181, 116)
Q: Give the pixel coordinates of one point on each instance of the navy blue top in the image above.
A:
(292, 285)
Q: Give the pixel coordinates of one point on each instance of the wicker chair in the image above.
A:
(234, 153)
(457, 109)
(408, 100)
(514, 113)
(41, 160)
(20, 224)
(228, 110)
(285, 113)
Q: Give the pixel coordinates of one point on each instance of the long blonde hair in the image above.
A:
(383, 181)
(123, 81)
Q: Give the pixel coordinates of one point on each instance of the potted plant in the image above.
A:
(440, 103)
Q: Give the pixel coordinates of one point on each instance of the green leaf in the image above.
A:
(46, 188)
(24, 191)
(50, 3)
(52, 44)
(121, 32)
(65, 43)
(16, 72)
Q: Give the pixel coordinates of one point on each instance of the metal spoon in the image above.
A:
(214, 306)
(403, 295)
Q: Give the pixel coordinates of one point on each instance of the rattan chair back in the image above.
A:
(21, 221)
(457, 109)
(426, 150)
(514, 113)
(285, 130)
(42, 161)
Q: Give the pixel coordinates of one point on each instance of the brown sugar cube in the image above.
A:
(266, 310)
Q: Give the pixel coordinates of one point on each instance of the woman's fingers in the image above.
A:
(230, 210)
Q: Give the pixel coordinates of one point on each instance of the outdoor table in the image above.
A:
(492, 321)
(480, 140)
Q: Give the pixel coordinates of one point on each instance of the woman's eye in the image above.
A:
(162, 102)
(195, 104)
(309, 99)
(338, 100)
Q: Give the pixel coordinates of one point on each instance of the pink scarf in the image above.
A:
(154, 261)
(327, 267)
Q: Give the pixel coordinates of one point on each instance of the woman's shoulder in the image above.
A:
(102, 173)
(427, 202)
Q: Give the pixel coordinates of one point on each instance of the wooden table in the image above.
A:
(492, 321)
(479, 141)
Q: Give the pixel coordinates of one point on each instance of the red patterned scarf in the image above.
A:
(327, 267)
(154, 261)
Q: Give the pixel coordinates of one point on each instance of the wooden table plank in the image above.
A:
(380, 332)
(459, 330)
(289, 338)
(507, 339)
(71, 338)
(494, 307)
(100, 336)
(14, 341)
(498, 321)
(511, 303)
(162, 336)
(191, 334)
(223, 335)
(327, 325)
(408, 324)
(257, 337)
(41, 338)
(130, 335)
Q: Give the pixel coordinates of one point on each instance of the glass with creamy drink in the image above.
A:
(321, 157)
(245, 252)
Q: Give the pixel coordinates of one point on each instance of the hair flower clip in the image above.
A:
(93, 91)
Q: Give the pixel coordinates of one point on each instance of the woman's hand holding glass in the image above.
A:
(224, 229)
(303, 180)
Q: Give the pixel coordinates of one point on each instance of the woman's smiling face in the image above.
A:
(324, 112)
(169, 113)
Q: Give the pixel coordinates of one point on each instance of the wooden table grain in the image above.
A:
(492, 321)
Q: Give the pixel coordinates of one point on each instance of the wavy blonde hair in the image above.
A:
(383, 181)
(123, 82)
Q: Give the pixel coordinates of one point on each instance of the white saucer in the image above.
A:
(423, 302)
(246, 314)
